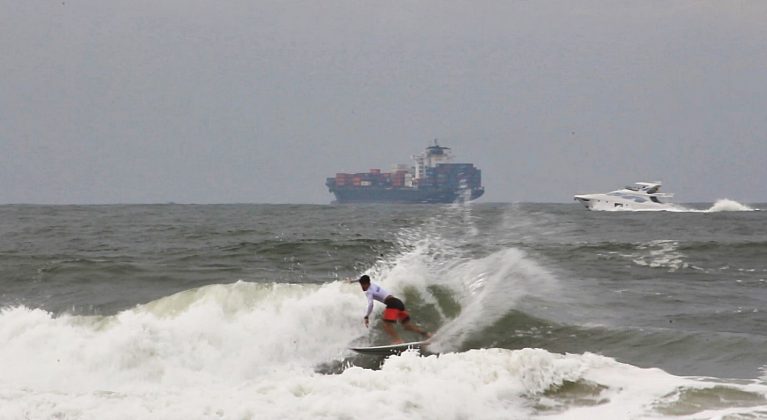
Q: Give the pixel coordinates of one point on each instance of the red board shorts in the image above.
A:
(395, 311)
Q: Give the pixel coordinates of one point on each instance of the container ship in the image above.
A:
(431, 179)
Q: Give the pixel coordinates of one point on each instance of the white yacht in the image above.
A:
(640, 196)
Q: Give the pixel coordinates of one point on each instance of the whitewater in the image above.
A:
(203, 354)
(179, 313)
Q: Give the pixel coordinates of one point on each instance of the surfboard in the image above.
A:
(389, 349)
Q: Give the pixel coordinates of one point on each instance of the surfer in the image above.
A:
(395, 310)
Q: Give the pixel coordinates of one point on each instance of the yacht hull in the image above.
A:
(640, 196)
(595, 202)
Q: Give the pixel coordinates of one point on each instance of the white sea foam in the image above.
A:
(219, 334)
(721, 205)
(177, 360)
(250, 351)
(728, 205)
(660, 254)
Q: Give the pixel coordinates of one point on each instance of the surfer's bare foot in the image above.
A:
(427, 335)
(397, 341)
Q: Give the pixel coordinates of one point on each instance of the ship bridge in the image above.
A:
(433, 156)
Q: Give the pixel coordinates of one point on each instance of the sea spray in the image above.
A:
(484, 288)
(728, 205)
(490, 288)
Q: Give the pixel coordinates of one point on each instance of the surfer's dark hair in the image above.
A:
(364, 279)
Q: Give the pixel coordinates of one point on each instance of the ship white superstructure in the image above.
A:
(433, 156)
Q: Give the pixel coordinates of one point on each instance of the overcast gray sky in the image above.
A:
(146, 101)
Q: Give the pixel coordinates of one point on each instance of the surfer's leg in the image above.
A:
(389, 319)
(410, 326)
(404, 318)
(388, 326)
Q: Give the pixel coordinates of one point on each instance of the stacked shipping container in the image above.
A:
(439, 182)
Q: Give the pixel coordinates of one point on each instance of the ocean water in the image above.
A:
(241, 312)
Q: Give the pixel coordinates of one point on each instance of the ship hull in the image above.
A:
(404, 195)
(432, 179)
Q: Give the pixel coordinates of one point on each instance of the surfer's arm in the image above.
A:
(369, 308)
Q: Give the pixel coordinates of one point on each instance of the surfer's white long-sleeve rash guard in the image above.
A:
(375, 292)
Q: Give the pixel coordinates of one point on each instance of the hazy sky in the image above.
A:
(147, 101)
